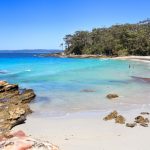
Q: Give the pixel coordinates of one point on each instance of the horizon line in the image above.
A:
(26, 49)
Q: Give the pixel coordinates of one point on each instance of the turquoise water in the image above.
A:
(61, 83)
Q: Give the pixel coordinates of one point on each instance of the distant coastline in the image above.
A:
(132, 57)
(31, 51)
(63, 55)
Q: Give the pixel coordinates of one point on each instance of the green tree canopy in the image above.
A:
(125, 39)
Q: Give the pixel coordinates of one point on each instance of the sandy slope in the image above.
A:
(88, 132)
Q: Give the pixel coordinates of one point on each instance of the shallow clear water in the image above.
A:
(60, 82)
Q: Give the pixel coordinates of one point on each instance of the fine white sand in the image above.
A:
(135, 58)
(88, 131)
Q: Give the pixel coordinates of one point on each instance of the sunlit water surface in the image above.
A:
(67, 85)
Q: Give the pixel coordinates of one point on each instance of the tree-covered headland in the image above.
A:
(117, 40)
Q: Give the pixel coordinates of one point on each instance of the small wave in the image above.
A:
(18, 73)
(28, 70)
(103, 59)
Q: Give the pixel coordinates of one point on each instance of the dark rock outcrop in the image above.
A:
(13, 105)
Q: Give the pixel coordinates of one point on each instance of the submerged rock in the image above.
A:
(13, 105)
(87, 90)
(141, 79)
(111, 96)
(3, 72)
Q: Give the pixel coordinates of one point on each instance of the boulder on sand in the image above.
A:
(145, 113)
(114, 115)
(120, 119)
(111, 116)
(142, 121)
(131, 125)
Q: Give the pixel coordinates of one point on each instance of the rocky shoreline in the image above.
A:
(13, 105)
(63, 55)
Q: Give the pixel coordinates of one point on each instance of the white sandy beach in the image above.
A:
(135, 58)
(89, 131)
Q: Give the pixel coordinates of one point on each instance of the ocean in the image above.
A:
(68, 85)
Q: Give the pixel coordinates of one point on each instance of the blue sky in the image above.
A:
(33, 24)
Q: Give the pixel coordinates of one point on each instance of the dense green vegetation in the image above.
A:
(117, 40)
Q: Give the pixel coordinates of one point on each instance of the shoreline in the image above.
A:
(82, 131)
(132, 57)
(62, 55)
